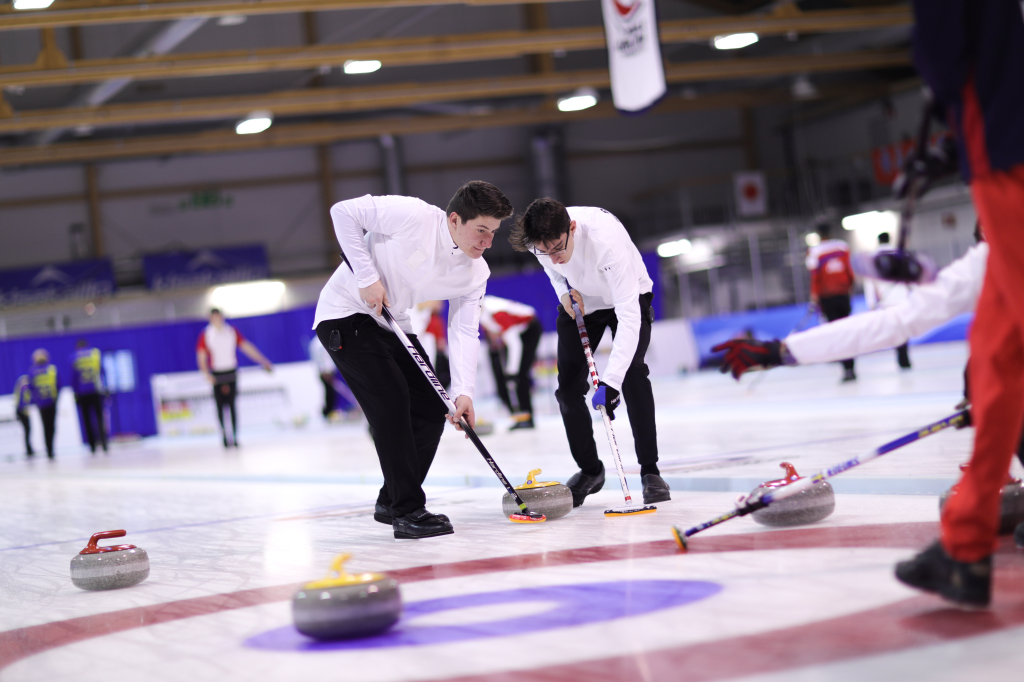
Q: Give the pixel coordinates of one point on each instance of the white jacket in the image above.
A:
(607, 269)
(954, 291)
(408, 247)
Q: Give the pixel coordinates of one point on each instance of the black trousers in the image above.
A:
(574, 383)
(91, 405)
(329, 399)
(405, 414)
(524, 379)
(836, 308)
(49, 416)
(225, 390)
(903, 355)
(26, 426)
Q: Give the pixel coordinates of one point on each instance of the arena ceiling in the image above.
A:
(89, 80)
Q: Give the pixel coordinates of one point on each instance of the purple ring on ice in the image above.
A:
(570, 605)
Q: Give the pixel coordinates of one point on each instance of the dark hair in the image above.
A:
(215, 311)
(883, 237)
(824, 230)
(478, 198)
(545, 220)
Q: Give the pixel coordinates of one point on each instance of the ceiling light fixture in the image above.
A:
(255, 122)
(676, 248)
(361, 66)
(32, 4)
(734, 41)
(583, 98)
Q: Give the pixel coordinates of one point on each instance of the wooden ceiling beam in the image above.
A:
(319, 101)
(308, 134)
(311, 134)
(434, 50)
(93, 12)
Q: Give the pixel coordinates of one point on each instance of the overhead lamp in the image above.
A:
(32, 4)
(255, 122)
(872, 221)
(734, 41)
(232, 20)
(248, 298)
(803, 88)
(583, 98)
(676, 248)
(361, 66)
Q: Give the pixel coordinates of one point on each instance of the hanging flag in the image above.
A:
(634, 54)
(751, 194)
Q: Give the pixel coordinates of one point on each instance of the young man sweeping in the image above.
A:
(411, 252)
(588, 249)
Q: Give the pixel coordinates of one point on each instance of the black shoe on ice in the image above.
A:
(382, 514)
(582, 484)
(655, 489)
(964, 584)
(421, 524)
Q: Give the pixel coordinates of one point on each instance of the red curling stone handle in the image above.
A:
(91, 548)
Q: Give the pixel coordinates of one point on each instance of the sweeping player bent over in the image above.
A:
(590, 249)
(412, 252)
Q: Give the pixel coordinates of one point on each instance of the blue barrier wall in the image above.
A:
(158, 349)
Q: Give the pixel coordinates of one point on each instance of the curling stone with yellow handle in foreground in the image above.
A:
(343, 605)
(550, 498)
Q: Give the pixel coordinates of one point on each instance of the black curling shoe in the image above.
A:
(655, 489)
(582, 484)
(421, 524)
(382, 514)
(968, 585)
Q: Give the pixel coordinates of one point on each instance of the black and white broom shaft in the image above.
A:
(448, 402)
(777, 494)
(596, 381)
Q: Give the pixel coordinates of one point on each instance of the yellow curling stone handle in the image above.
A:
(532, 482)
(338, 577)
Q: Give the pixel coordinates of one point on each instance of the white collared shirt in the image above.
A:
(607, 269)
(409, 248)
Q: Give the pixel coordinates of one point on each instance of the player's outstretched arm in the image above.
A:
(742, 355)
(255, 355)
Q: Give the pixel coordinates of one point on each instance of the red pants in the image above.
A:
(970, 521)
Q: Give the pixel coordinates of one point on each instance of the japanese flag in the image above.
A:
(751, 194)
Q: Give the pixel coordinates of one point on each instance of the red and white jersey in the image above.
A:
(831, 273)
(221, 345)
(499, 315)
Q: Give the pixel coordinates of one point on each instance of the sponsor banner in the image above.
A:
(751, 194)
(85, 279)
(188, 269)
(634, 54)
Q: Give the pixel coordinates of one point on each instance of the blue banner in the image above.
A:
(187, 269)
(43, 284)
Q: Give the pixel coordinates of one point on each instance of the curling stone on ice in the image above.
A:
(808, 506)
(483, 427)
(550, 498)
(343, 606)
(1011, 512)
(110, 567)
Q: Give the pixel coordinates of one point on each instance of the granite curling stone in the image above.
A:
(483, 427)
(809, 506)
(550, 498)
(1011, 513)
(346, 606)
(110, 567)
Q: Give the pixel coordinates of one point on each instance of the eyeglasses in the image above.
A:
(554, 252)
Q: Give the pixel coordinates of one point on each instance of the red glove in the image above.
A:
(745, 354)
